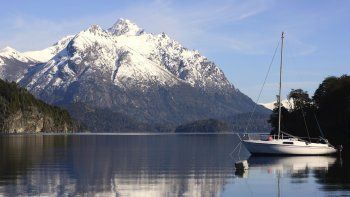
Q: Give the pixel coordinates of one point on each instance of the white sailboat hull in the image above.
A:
(277, 147)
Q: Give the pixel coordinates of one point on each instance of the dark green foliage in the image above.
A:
(330, 105)
(14, 99)
(332, 101)
(204, 126)
(300, 99)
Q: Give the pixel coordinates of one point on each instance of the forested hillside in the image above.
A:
(22, 112)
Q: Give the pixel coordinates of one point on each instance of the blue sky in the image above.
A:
(238, 35)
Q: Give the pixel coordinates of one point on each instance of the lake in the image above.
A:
(159, 165)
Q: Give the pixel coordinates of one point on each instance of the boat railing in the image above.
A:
(304, 139)
(254, 136)
(269, 136)
(263, 136)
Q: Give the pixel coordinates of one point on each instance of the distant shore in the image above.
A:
(122, 133)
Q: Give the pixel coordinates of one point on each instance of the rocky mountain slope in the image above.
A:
(13, 64)
(126, 70)
(21, 112)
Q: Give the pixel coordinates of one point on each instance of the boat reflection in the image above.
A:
(295, 166)
(280, 174)
(292, 163)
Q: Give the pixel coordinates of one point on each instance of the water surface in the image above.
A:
(158, 165)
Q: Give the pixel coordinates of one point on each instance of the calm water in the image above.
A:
(158, 165)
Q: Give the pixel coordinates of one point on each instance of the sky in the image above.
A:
(240, 36)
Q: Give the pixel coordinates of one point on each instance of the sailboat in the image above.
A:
(284, 143)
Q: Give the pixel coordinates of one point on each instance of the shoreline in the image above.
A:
(121, 134)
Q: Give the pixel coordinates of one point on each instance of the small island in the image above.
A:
(204, 126)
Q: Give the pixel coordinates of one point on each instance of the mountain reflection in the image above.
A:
(115, 165)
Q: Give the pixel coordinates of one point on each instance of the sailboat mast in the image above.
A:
(280, 87)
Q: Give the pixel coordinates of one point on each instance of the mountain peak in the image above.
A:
(95, 29)
(47, 53)
(11, 53)
(64, 40)
(8, 49)
(125, 27)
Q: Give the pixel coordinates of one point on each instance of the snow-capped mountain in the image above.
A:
(13, 64)
(271, 105)
(128, 56)
(46, 54)
(129, 71)
(10, 53)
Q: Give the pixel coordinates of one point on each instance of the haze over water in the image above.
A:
(158, 165)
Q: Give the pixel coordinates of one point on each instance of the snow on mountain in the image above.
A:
(46, 54)
(13, 64)
(126, 28)
(187, 65)
(10, 53)
(286, 103)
